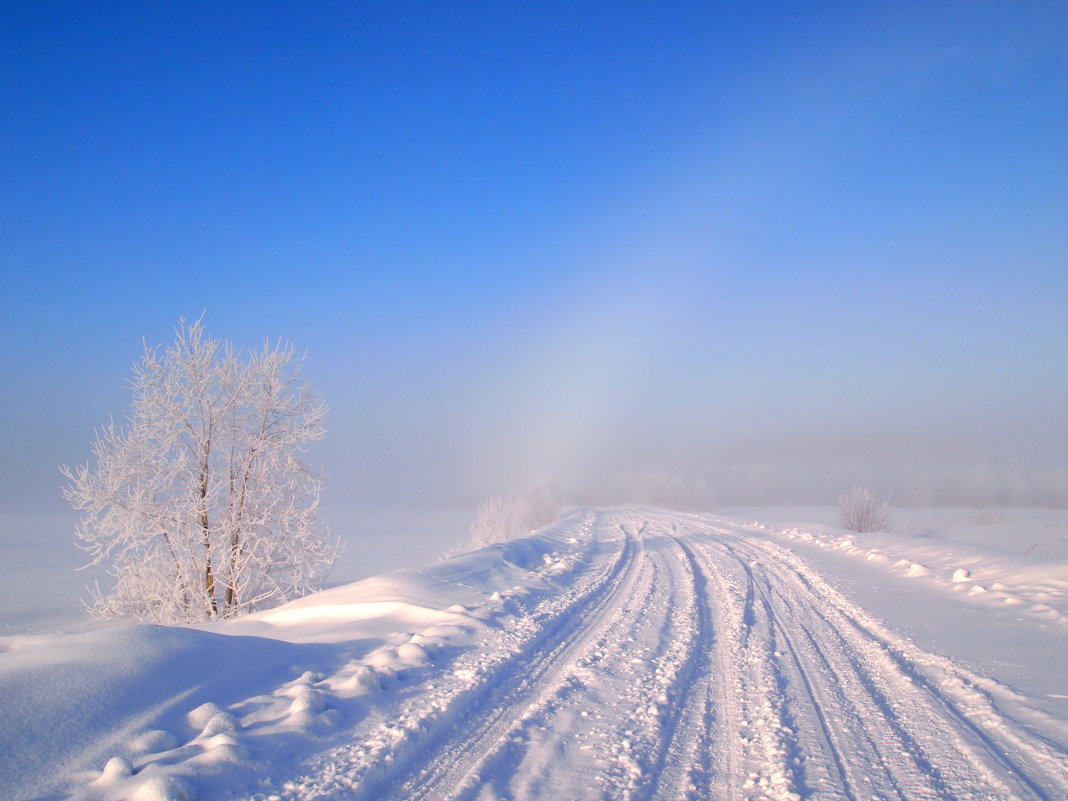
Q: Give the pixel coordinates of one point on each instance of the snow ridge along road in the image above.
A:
(693, 659)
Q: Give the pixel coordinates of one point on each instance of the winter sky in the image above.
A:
(518, 239)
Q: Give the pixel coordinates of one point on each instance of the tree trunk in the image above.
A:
(209, 576)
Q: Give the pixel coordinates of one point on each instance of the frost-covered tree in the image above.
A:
(199, 504)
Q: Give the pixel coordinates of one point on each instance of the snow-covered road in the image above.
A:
(692, 659)
(622, 653)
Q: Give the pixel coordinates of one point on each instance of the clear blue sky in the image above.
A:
(534, 238)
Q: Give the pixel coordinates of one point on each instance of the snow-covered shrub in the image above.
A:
(862, 511)
(493, 521)
(504, 517)
(535, 507)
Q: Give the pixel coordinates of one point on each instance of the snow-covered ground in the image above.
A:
(621, 653)
(43, 578)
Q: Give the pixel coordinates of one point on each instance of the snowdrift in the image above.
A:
(160, 712)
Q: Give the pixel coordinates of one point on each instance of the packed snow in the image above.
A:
(621, 653)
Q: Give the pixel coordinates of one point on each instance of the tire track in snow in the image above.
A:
(456, 770)
(522, 753)
(644, 698)
(407, 740)
(882, 729)
(686, 767)
(669, 759)
(758, 760)
(700, 662)
(943, 734)
(650, 735)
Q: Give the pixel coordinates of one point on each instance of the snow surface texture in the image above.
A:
(987, 558)
(626, 653)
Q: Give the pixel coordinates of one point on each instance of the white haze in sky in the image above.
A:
(825, 249)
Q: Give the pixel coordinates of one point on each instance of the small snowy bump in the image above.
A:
(307, 720)
(222, 749)
(961, 574)
(383, 657)
(200, 716)
(412, 654)
(364, 680)
(116, 768)
(1045, 611)
(221, 723)
(164, 788)
(305, 699)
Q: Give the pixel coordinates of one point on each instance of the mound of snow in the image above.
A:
(147, 711)
(72, 702)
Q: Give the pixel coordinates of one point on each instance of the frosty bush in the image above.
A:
(199, 504)
(493, 521)
(534, 507)
(504, 517)
(862, 511)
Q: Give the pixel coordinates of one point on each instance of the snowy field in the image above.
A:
(42, 585)
(622, 653)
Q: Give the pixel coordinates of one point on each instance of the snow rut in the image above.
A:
(479, 744)
(438, 728)
(588, 715)
(837, 707)
(698, 661)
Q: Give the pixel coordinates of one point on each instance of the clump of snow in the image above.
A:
(116, 768)
(363, 679)
(164, 788)
(198, 718)
(221, 723)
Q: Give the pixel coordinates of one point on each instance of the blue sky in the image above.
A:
(570, 238)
